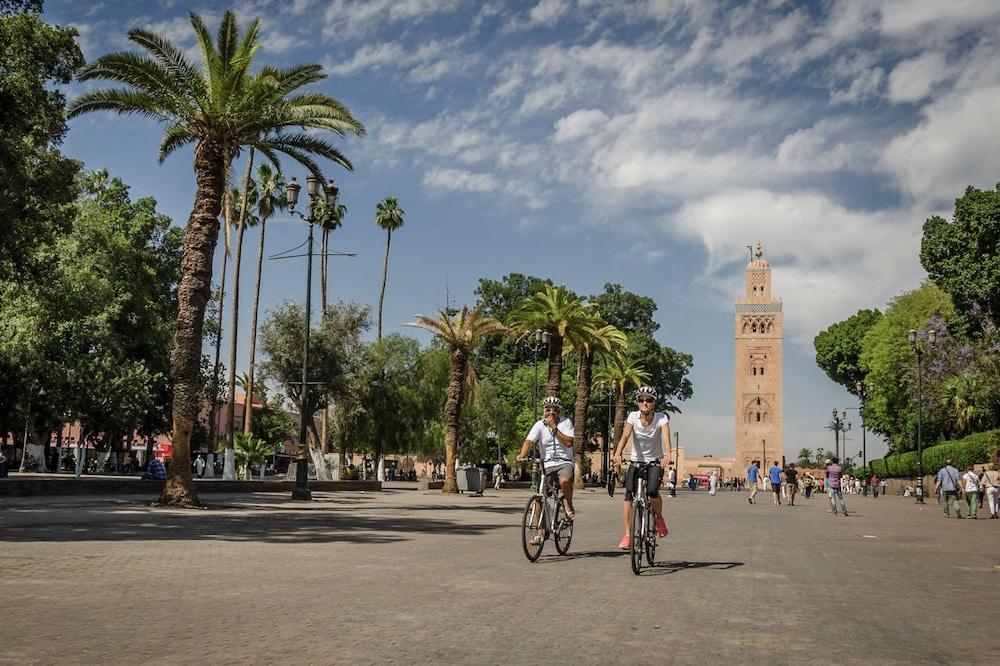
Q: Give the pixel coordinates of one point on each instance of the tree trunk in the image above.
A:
(583, 379)
(385, 275)
(241, 225)
(248, 407)
(555, 364)
(193, 292)
(324, 417)
(619, 418)
(214, 408)
(452, 412)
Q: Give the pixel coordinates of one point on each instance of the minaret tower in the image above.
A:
(758, 410)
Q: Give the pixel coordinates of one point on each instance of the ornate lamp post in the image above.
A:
(839, 425)
(330, 191)
(919, 350)
(541, 340)
(606, 457)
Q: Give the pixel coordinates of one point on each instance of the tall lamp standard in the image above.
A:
(839, 425)
(541, 340)
(860, 386)
(919, 351)
(330, 191)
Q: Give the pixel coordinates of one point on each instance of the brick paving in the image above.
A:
(404, 577)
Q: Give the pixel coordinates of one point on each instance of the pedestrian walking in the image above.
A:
(672, 481)
(884, 486)
(873, 482)
(833, 485)
(970, 483)
(713, 483)
(774, 475)
(753, 474)
(497, 476)
(791, 483)
(199, 466)
(947, 484)
(990, 484)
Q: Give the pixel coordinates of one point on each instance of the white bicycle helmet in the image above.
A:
(647, 390)
(552, 401)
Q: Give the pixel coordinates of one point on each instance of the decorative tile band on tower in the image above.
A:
(758, 368)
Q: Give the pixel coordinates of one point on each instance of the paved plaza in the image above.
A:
(402, 577)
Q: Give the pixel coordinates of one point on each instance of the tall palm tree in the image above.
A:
(564, 315)
(335, 221)
(460, 335)
(270, 199)
(624, 374)
(388, 216)
(597, 339)
(242, 203)
(220, 108)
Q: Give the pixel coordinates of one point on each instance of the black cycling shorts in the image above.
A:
(654, 477)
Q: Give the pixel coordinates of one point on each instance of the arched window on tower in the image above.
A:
(758, 417)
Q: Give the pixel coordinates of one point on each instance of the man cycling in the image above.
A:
(648, 430)
(556, 436)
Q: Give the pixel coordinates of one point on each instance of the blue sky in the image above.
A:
(645, 143)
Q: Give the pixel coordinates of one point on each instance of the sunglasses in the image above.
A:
(649, 400)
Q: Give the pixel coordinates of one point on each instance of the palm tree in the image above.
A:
(460, 335)
(335, 221)
(598, 338)
(250, 450)
(805, 457)
(240, 211)
(564, 315)
(388, 216)
(623, 374)
(220, 108)
(270, 199)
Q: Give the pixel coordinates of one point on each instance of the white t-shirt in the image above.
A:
(647, 441)
(971, 482)
(553, 451)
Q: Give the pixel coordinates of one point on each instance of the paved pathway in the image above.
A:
(403, 577)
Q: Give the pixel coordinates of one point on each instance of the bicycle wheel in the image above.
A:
(533, 525)
(650, 538)
(563, 533)
(638, 536)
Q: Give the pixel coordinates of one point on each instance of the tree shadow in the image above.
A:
(275, 526)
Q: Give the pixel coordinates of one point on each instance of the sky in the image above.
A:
(643, 143)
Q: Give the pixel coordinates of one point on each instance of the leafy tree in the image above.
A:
(36, 180)
(805, 458)
(838, 348)
(459, 334)
(890, 366)
(221, 108)
(250, 451)
(335, 353)
(620, 371)
(962, 256)
(388, 216)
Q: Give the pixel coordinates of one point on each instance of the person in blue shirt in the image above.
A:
(155, 471)
(774, 475)
(753, 476)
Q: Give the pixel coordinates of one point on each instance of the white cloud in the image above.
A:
(459, 179)
(355, 18)
(954, 146)
(913, 79)
(547, 12)
(579, 123)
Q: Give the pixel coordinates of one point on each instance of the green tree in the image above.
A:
(388, 216)
(805, 458)
(962, 256)
(890, 366)
(251, 451)
(838, 348)
(270, 196)
(220, 107)
(459, 334)
(619, 371)
(36, 180)
(563, 315)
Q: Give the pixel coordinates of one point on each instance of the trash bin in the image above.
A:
(470, 479)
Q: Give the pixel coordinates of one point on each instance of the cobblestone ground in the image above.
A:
(403, 577)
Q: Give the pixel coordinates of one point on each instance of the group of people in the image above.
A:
(787, 482)
(646, 429)
(972, 487)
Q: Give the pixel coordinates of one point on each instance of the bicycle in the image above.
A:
(545, 517)
(643, 523)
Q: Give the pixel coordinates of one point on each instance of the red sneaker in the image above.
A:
(661, 528)
(625, 543)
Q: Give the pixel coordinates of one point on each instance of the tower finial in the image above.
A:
(759, 252)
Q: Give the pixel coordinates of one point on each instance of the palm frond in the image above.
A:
(119, 100)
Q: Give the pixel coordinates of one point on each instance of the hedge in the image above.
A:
(975, 449)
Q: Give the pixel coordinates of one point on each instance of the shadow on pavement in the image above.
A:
(583, 555)
(286, 527)
(664, 568)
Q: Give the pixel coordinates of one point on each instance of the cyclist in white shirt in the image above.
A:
(556, 436)
(648, 430)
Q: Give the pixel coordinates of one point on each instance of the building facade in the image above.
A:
(758, 368)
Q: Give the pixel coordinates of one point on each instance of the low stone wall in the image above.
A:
(27, 487)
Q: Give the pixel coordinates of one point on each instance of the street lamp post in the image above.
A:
(919, 350)
(860, 386)
(292, 189)
(839, 425)
(541, 339)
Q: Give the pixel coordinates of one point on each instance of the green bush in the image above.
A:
(972, 450)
